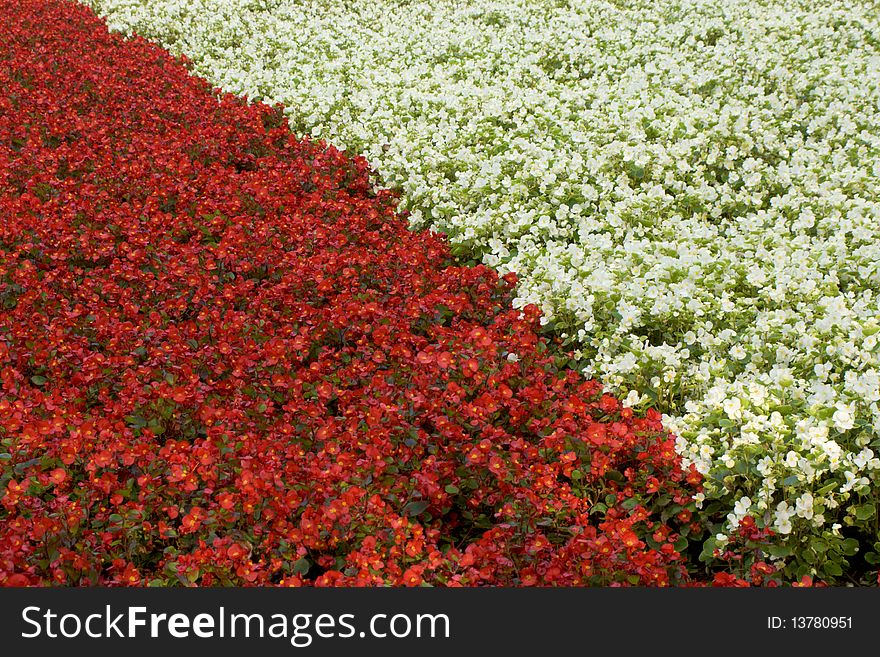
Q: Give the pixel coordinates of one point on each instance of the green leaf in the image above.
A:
(302, 566)
(779, 551)
(865, 511)
(850, 546)
(833, 568)
(115, 517)
(38, 380)
(136, 421)
(614, 475)
(451, 489)
(415, 508)
(708, 549)
(24, 465)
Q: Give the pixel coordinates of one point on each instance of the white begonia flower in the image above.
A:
(758, 394)
(862, 459)
(804, 506)
(783, 524)
(742, 507)
(783, 516)
(843, 418)
(733, 408)
(850, 481)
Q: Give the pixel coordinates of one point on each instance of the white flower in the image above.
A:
(862, 459)
(742, 507)
(783, 525)
(632, 398)
(850, 481)
(843, 418)
(804, 506)
(733, 408)
(783, 515)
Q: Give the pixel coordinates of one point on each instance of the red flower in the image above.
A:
(17, 579)
(235, 552)
(412, 577)
(470, 367)
(58, 475)
(130, 575)
(596, 433)
(226, 501)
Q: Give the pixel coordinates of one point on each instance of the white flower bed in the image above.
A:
(689, 190)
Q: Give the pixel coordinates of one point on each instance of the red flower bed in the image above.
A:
(225, 360)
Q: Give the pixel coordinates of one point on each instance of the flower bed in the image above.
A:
(224, 359)
(688, 190)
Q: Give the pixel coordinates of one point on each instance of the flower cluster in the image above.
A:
(224, 359)
(688, 190)
(744, 553)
